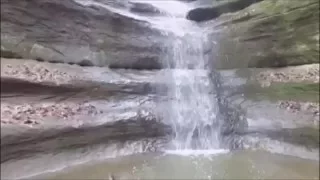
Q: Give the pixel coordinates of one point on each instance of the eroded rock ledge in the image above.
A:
(61, 103)
(48, 108)
(68, 32)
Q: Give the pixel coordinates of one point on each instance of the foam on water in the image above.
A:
(191, 152)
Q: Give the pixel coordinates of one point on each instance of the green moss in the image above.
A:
(244, 72)
(306, 136)
(285, 91)
(271, 33)
(294, 22)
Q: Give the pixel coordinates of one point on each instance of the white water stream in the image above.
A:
(193, 112)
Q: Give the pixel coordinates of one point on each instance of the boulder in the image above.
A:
(70, 32)
(267, 34)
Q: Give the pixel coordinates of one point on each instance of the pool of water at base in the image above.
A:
(231, 165)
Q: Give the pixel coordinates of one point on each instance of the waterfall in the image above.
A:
(193, 112)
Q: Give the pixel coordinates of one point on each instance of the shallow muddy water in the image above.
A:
(229, 165)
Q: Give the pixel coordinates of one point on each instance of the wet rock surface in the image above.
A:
(77, 34)
(32, 143)
(76, 154)
(291, 97)
(49, 108)
(220, 7)
(144, 8)
(267, 34)
(288, 126)
(64, 93)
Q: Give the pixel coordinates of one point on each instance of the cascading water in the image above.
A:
(193, 111)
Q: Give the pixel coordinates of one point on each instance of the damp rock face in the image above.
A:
(218, 8)
(75, 33)
(267, 34)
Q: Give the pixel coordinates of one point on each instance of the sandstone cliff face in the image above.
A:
(271, 33)
(65, 31)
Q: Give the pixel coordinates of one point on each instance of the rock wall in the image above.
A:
(271, 33)
(65, 31)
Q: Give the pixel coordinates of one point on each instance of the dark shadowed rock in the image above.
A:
(65, 31)
(207, 13)
(144, 8)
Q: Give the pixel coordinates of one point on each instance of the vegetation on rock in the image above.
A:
(286, 91)
(271, 33)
